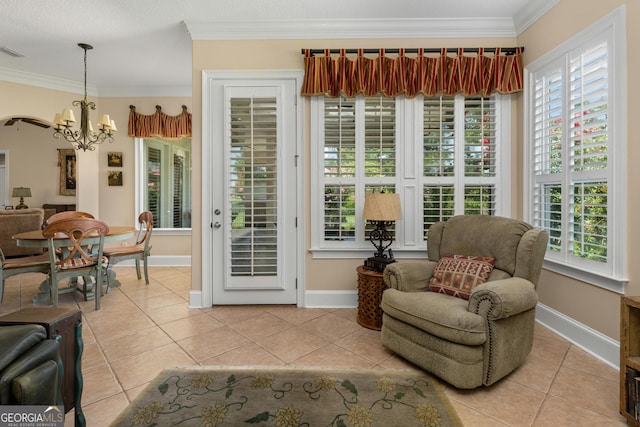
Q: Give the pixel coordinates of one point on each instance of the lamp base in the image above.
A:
(377, 263)
(21, 205)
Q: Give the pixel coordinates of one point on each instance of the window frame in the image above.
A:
(140, 171)
(611, 29)
(409, 179)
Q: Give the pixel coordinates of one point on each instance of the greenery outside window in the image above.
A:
(577, 162)
(443, 155)
(164, 178)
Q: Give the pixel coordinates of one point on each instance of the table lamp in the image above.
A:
(22, 192)
(381, 209)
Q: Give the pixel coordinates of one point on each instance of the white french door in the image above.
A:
(252, 190)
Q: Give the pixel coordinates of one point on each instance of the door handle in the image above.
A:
(217, 225)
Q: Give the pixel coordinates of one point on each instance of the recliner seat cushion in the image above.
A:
(438, 314)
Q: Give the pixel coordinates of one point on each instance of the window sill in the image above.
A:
(334, 253)
(172, 231)
(599, 280)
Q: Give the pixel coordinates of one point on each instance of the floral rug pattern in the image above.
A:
(290, 398)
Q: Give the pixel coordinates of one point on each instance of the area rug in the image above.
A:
(287, 397)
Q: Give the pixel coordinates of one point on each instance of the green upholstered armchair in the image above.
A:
(475, 341)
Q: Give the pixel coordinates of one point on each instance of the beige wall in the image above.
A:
(588, 304)
(332, 274)
(33, 155)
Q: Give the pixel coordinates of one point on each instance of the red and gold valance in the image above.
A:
(461, 73)
(159, 124)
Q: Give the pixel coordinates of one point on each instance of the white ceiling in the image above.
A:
(143, 47)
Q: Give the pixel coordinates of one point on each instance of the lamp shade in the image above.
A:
(382, 207)
(21, 192)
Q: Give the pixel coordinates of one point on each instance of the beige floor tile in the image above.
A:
(212, 343)
(582, 361)
(134, 343)
(297, 315)
(104, 412)
(365, 343)
(115, 326)
(171, 312)
(506, 401)
(558, 412)
(231, 315)
(551, 350)
(99, 383)
(596, 394)
(92, 356)
(292, 344)
(262, 326)
(332, 356)
(471, 417)
(330, 327)
(157, 301)
(536, 373)
(141, 368)
(190, 326)
(248, 355)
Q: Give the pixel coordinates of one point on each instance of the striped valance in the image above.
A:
(159, 124)
(481, 73)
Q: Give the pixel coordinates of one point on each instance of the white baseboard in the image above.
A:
(331, 299)
(163, 261)
(593, 342)
(195, 299)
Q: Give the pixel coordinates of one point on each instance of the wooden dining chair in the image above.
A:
(26, 264)
(66, 215)
(76, 259)
(138, 252)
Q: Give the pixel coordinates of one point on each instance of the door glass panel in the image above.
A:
(253, 186)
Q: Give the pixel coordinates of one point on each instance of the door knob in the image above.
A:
(217, 225)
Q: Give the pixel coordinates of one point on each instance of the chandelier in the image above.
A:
(84, 138)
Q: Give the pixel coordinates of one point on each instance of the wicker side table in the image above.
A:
(370, 288)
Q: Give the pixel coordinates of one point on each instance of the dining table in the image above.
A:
(35, 239)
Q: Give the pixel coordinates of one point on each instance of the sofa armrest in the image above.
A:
(500, 299)
(409, 276)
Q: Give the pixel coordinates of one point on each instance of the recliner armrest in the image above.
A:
(500, 299)
(409, 276)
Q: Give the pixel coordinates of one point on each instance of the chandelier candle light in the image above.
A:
(381, 209)
(84, 138)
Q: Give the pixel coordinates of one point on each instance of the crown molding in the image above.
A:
(531, 13)
(54, 83)
(352, 29)
(48, 82)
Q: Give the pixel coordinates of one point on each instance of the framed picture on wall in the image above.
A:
(68, 176)
(114, 159)
(115, 178)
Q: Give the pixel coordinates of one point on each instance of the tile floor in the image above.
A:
(140, 330)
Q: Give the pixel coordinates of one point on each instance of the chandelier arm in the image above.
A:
(84, 138)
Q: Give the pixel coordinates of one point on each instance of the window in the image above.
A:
(165, 181)
(577, 147)
(442, 155)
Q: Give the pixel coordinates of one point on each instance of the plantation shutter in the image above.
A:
(154, 179)
(339, 168)
(480, 156)
(253, 186)
(588, 139)
(178, 196)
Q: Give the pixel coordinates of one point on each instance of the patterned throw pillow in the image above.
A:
(457, 275)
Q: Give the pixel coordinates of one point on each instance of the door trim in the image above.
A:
(209, 77)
